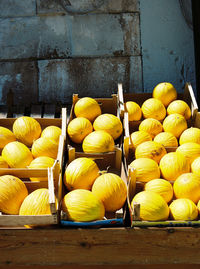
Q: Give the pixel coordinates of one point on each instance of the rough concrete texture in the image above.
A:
(97, 77)
(168, 48)
(16, 8)
(34, 37)
(21, 78)
(80, 6)
(105, 34)
(62, 36)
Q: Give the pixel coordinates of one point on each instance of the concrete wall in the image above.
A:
(47, 54)
(167, 44)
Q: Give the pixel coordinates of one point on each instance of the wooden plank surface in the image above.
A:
(114, 246)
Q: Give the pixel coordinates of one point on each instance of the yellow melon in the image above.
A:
(111, 190)
(166, 139)
(12, 193)
(153, 108)
(151, 126)
(3, 163)
(134, 111)
(36, 203)
(6, 136)
(152, 206)
(45, 147)
(82, 205)
(52, 132)
(80, 174)
(175, 124)
(26, 130)
(187, 186)
(145, 169)
(78, 129)
(162, 187)
(41, 162)
(180, 107)
(109, 123)
(190, 150)
(98, 142)
(87, 107)
(139, 137)
(165, 92)
(150, 149)
(190, 135)
(183, 209)
(172, 165)
(195, 166)
(17, 155)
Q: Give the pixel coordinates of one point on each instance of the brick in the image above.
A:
(21, 78)
(111, 6)
(97, 77)
(34, 37)
(17, 8)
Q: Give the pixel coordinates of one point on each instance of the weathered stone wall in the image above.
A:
(47, 54)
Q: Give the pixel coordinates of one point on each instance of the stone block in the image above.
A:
(34, 37)
(21, 78)
(17, 8)
(95, 77)
(92, 6)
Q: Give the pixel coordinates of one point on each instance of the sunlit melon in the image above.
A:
(180, 107)
(78, 129)
(139, 137)
(52, 132)
(152, 206)
(98, 142)
(187, 186)
(183, 209)
(45, 147)
(190, 135)
(12, 193)
(151, 126)
(109, 123)
(134, 111)
(87, 107)
(111, 190)
(26, 130)
(166, 139)
(195, 166)
(150, 149)
(145, 169)
(165, 92)
(190, 150)
(82, 205)
(153, 108)
(17, 155)
(172, 165)
(162, 187)
(81, 174)
(175, 124)
(6, 136)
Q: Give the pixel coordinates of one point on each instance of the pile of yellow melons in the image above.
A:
(91, 193)
(171, 180)
(96, 132)
(26, 146)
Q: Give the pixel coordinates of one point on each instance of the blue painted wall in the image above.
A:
(167, 44)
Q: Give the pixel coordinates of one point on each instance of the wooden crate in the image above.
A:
(108, 105)
(52, 173)
(119, 218)
(132, 126)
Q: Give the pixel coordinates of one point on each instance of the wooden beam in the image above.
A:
(96, 247)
